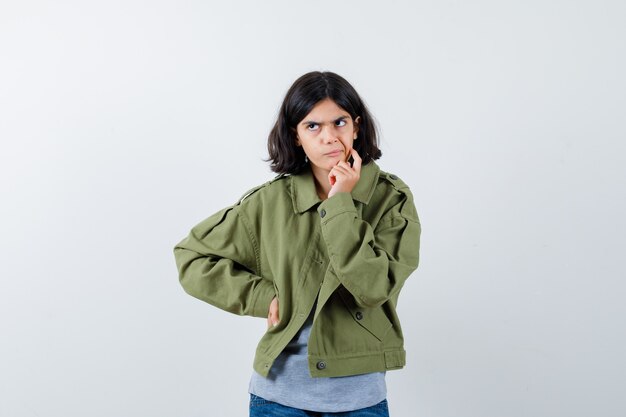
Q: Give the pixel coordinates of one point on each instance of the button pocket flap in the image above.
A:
(373, 320)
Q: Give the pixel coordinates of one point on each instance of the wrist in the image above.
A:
(334, 190)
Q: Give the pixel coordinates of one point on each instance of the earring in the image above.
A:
(306, 159)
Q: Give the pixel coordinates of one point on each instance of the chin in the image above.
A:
(330, 165)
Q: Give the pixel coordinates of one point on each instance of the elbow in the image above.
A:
(189, 284)
(192, 268)
(378, 293)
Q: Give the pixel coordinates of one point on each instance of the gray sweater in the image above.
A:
(289, 382)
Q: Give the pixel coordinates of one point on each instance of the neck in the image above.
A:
(321, 182)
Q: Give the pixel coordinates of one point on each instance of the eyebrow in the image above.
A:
(308, 122)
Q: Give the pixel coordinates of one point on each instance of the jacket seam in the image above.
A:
(255, 245)
(358, 354)
(390, 219)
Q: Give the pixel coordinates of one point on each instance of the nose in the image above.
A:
(329, 135)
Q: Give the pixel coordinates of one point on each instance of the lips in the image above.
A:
(334, 153)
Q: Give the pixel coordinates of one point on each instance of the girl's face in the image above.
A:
(326, 134)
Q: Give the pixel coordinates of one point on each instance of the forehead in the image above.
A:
(326, 109)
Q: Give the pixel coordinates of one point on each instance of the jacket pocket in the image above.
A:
(374, 320)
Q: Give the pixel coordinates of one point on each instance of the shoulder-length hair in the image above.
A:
(308, 90)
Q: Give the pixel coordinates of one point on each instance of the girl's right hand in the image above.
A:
(272, 317)
(343, 177)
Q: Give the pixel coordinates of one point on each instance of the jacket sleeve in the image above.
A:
(216, 264)
(372, 264)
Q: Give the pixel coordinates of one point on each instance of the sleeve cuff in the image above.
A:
(263, 296)
(338, 204)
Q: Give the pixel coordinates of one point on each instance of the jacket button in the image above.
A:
(393, 177)
(322, 213)
(321, 365)
(359, 315)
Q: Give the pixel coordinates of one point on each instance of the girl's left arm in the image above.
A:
(372, 264)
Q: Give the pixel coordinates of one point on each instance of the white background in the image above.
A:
(125, 123)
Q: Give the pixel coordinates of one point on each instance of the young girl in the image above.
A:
(322, 251)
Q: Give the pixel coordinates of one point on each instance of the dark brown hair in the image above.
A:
(302, 96)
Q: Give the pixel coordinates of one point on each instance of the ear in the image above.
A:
(356, 125)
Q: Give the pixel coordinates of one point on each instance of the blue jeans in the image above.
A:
(260, 407)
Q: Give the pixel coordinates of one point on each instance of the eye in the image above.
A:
(340, 122)
(312, 126)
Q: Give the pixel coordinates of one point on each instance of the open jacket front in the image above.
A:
(352, 252)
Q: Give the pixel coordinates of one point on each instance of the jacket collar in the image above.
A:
(304, 196)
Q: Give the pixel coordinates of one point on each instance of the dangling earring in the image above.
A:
(306, 159)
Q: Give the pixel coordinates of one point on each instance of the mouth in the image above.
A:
(336, 152)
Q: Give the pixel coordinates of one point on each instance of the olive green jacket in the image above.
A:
(352, 252)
